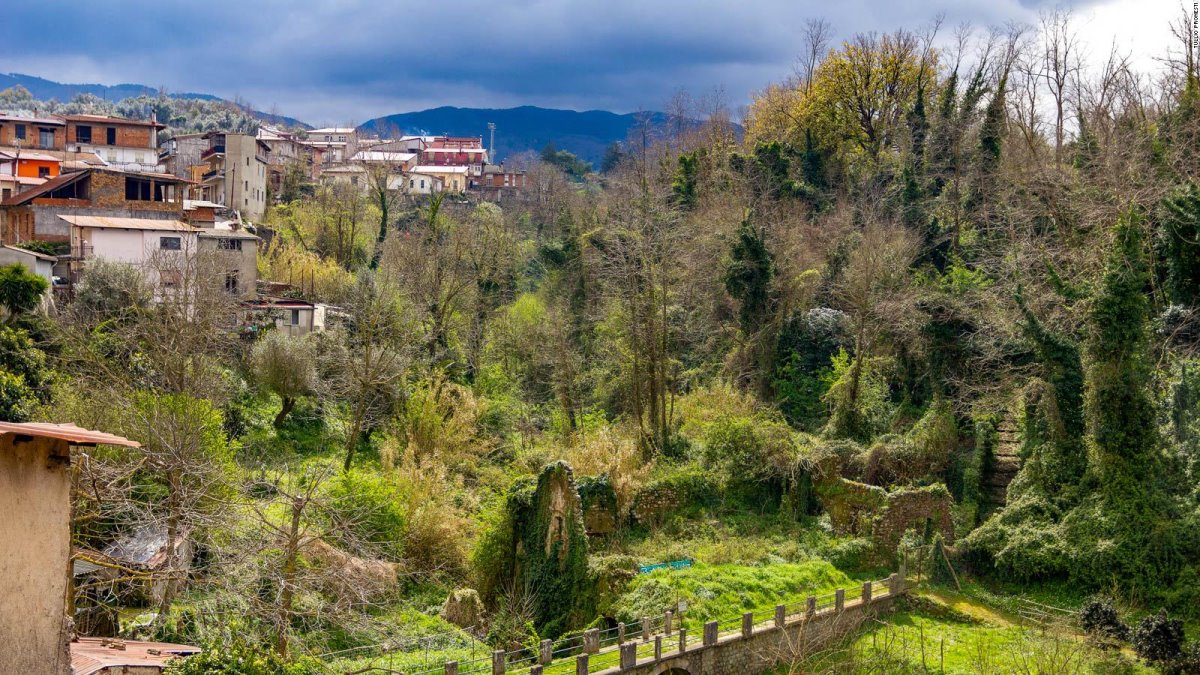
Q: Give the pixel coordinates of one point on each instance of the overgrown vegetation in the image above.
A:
(754, 353)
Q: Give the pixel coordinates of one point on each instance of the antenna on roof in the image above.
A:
(492, 142)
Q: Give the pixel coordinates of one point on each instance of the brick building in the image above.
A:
(126, 144)
(34, 213)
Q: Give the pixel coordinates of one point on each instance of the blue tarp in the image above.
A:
(674, 564)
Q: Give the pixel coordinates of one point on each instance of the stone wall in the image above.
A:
(914, 509)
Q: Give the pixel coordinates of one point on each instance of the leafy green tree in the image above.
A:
(20, 289)
(687, 176)
(614, 154)
(991, 134)
(1179, 242)
(748, 276)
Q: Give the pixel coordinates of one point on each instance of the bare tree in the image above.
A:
(1060, 65)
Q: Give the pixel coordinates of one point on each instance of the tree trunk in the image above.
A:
(288, 404)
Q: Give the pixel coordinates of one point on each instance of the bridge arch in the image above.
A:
(673, 670)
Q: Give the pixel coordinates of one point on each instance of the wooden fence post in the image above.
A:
(645, 629)
(668, 620)
(839, 600)
(710, 633)
(866, 593)
(780, 615)
(682, 639)
(451, 668)
(535, 669)
(657, 647)
(620, 633)
(498, 662)
(810, 606)
(581, 664)
(545, 652)
(747, 624)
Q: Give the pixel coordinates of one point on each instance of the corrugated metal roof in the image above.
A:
(93, 655)
(66, 432)
(129, 223)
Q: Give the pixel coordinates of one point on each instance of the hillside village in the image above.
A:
(85, 187)
(894, 371)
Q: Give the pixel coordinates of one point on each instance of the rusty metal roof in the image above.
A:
(93, 655)
(66, 432)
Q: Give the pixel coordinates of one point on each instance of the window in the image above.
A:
(422, 183)
(45, 138)
(229, 244)
(20, 131)
(83, 134)
(412, 183)
(231, 282)
(43, 172)
(111, 136)
(5, 193)
(295, 317)
(170, 243)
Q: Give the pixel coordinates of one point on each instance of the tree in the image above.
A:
(184, 450)
(20, 289)
(285, 366)
(861, 92)
(110, 291)
(431, 269)
(365, 366)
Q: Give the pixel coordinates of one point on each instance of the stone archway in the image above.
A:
(673, 670)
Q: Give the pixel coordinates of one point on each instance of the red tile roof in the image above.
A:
(66, 432)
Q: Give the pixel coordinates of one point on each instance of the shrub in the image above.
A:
(369, 510)
(1158, 638)
(1100, 619)
(240, 658)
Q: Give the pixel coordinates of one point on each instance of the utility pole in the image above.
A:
(492, 141)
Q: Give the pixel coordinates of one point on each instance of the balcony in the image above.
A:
(213, 150)
(208, 175)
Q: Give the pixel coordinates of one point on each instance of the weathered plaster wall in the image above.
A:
(34, 554)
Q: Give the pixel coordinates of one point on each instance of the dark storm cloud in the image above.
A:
(343, 60)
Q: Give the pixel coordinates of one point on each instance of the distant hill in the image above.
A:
(587, 134)
(45, 90)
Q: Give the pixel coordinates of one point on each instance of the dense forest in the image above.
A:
(966, 264)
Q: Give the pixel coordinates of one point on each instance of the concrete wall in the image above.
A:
(36, 265)
(35, 498)
(245, 176)
(757, 648)
(243, 263)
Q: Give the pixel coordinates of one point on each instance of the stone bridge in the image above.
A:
(751, 643)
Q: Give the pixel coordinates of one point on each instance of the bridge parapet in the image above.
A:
(748, 642)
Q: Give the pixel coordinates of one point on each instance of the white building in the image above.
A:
(159, 247)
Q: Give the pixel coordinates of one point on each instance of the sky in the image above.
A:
(346, 61)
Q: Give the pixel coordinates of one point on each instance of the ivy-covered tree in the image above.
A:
(1179, 243)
